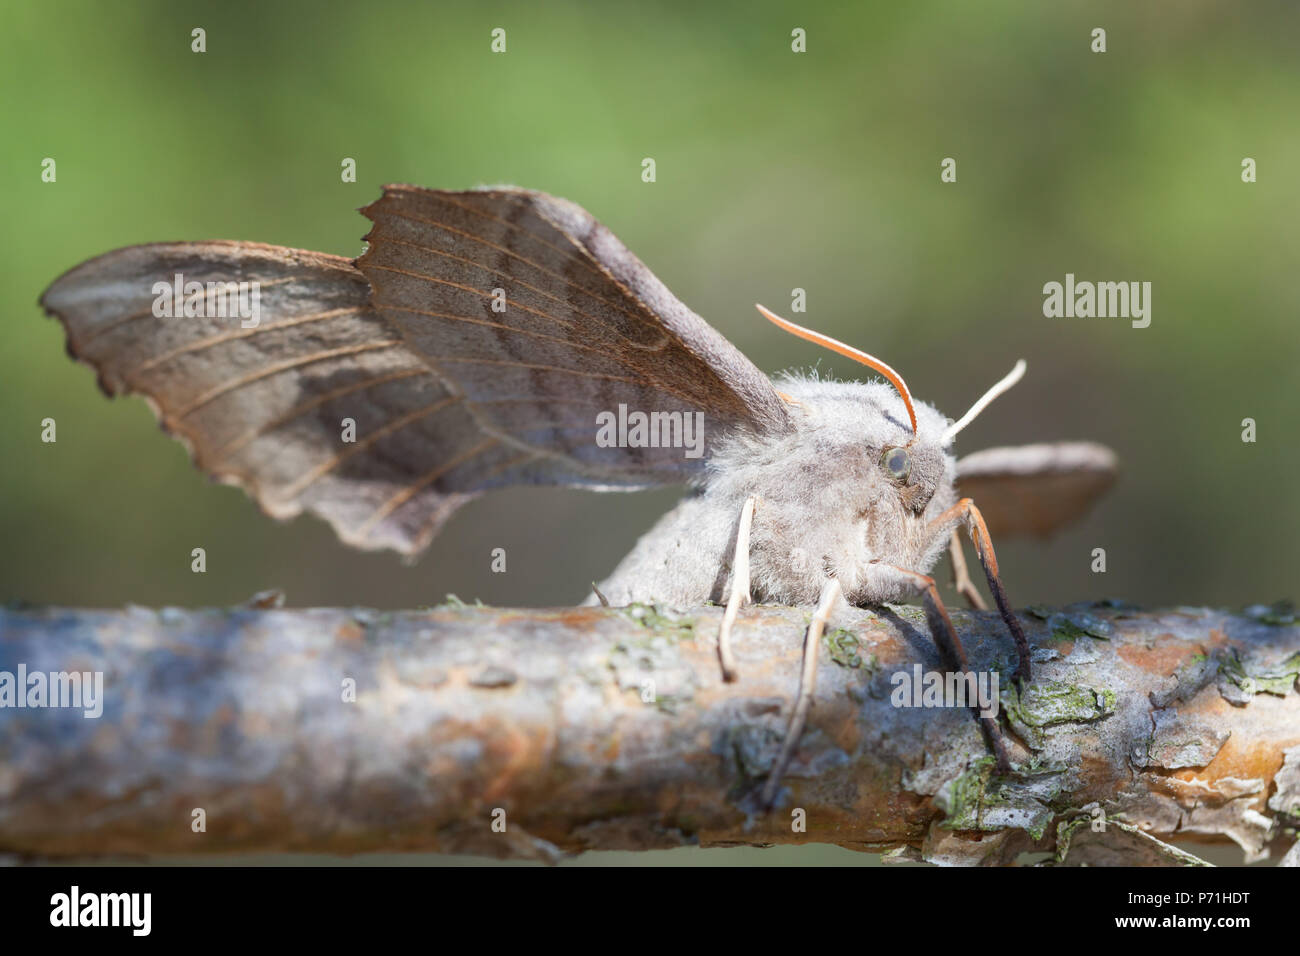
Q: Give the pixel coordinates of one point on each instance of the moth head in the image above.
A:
(911, 458)
(933, 447)
(883, 453)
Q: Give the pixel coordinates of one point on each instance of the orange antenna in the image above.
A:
(848, 351)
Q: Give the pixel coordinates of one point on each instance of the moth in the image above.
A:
(474, 346)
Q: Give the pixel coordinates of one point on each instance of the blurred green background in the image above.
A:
(776, 170)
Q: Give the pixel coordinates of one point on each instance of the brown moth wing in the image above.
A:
(264, 407)
(1035, 489)
(580, 326)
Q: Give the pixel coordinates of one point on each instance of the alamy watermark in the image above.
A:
(211, 300)
(76, 908)
(1102, 300)
(74, 689)
(917, 688)
(651, 430)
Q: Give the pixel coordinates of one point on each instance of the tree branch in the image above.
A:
(612, 729)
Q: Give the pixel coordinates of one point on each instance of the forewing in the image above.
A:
(266, 406)
(1035, 489)
(540, 319)
(383, 421)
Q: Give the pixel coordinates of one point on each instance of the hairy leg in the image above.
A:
(739, 589)
(965, 514)
(945, 635)
(807, 681)
(960, 576)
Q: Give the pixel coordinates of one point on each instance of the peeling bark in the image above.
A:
(600, 728)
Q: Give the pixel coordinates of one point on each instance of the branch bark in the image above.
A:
(594, 728)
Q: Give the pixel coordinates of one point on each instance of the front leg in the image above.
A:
(941, 629)
(830, 596)
(739, 589)
(964, 513)
(960, 576)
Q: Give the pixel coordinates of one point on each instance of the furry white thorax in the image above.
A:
(825, 505)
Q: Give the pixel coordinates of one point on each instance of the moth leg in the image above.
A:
(807, 681)
(936, 615)
(739, 589)
(960, 576)
(965, 513)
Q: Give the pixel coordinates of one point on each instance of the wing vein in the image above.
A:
(516, 279)
(513, 255)
(233, 446)
(145, 313)
(240, 333)
(411, 490)
(566, 253)
(549, 338)
(213, 394)
(304, 481)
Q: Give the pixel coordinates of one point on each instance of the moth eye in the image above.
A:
(896, 462)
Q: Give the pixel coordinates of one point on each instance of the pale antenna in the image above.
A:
(1011, 378)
